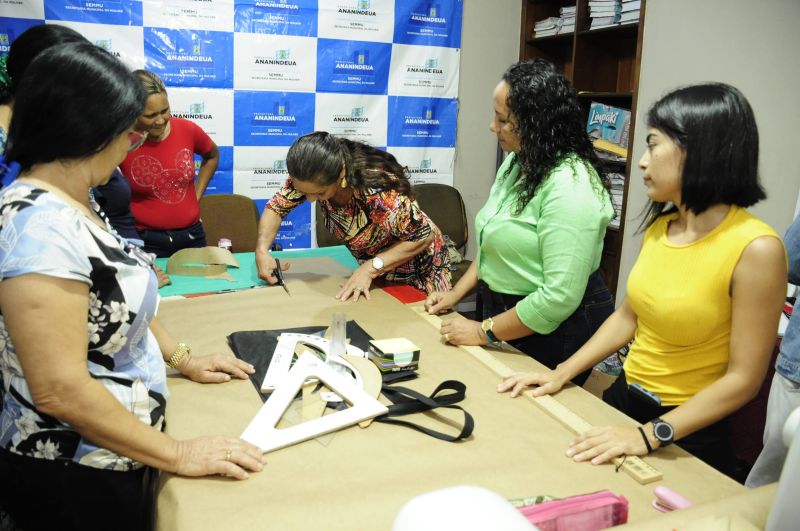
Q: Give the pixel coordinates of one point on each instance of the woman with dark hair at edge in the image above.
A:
(83, 357)
(367, 203)
(22, 51)
(113, 197)
(704, 296)
(540, 233)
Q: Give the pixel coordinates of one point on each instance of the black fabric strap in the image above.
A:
(407, 401)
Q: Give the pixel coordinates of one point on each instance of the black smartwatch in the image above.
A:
(663, 432)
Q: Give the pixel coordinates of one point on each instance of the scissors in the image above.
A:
(279, 275)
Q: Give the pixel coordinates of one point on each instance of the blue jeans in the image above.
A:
(165, 243)
(554, 348)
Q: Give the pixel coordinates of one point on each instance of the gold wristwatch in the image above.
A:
(487, 326)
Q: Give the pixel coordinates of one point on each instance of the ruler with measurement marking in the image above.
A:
(632, 465)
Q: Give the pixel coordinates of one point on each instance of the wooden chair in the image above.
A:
(442, 203)
(445, 206)
(231, 216)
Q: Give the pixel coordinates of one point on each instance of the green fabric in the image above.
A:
(548, 251)
(246, 275)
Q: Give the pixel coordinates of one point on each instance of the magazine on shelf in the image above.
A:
(608, 127)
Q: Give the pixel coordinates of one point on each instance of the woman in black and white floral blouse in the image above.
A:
(82, 358)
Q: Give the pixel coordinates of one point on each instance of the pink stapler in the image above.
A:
(669, 500)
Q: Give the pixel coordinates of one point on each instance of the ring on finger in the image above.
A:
(228, 453)
(447, 337)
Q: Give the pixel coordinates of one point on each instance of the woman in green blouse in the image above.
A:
(540, 233)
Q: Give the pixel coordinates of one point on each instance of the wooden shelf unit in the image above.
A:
(603, 65)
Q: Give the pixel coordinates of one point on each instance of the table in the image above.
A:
(361, 478)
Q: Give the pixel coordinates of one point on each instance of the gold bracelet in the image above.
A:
(180, 353)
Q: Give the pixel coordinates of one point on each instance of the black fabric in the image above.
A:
(407, 401)
(556, 347)
(257, 347)
(712, 444)
(165, 243)
(42, 494)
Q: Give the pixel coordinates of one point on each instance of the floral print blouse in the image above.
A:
(42, 234)
(374, 220)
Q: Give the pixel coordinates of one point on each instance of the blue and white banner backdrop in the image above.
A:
(257, 74)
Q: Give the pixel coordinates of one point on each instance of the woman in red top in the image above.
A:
(164, 192)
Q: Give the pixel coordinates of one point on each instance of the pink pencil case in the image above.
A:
(587, 512)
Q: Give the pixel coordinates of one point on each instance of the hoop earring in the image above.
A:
(343, 183)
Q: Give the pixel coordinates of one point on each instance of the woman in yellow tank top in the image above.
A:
(704, 297)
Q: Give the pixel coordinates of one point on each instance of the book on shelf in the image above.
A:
(616, 192)
(603, 21)
(631, 5)
(605, 156)
(546, 27)
(605, 145)
(604, 11)
(629, 16)
(609, 127)
(603, 3)
(547, 23)
(546, 33)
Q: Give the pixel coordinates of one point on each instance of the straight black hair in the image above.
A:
(714, 126)
(72, 102)
(318, 157)
(27, 46)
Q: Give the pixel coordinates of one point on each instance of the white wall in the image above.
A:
(751, 45)
(489, 44)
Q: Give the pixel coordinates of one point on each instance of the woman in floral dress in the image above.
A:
(367, 203)
(82, 357)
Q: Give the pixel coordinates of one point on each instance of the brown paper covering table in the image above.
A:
(361, 478)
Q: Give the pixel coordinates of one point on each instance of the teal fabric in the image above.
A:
(246, 275)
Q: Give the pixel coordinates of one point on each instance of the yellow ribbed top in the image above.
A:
(681, 296)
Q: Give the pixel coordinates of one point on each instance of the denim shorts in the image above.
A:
(551, 349)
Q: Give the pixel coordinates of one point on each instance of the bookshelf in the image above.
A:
(603, 65)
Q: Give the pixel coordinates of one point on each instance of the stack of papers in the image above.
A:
(546, 27)
(604, 13)
(567, 19)
(629, 13)
(394, 355)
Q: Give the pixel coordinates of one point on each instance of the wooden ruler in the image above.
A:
(632, 465)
